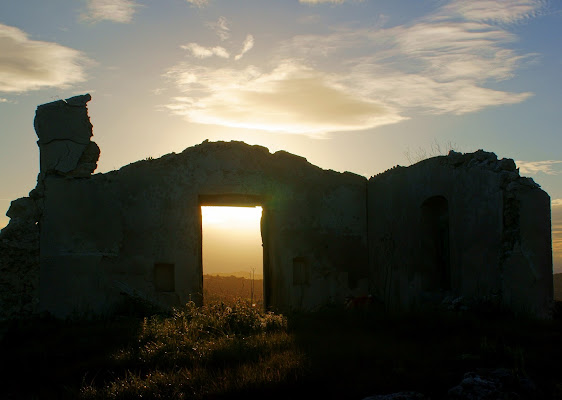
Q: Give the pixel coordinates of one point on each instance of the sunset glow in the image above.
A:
(351, 85)
(231, 239)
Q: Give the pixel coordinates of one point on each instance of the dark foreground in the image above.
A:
(222, 352)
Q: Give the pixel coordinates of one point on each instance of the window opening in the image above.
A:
(164, 277)
(301, 271)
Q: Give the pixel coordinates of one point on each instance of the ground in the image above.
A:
(235, 350)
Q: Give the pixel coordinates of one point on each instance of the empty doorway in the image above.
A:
(232, 252)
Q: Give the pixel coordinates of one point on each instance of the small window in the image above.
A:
(164, 277)
(301, 271)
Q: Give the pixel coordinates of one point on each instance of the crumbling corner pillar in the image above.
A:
(64, 131)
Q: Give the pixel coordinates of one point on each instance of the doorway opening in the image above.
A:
(232, 254)
(435, 241)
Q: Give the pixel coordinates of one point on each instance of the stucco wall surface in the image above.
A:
(498, 234)
(105, 234)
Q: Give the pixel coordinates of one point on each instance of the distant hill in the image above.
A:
(238, 274)
(241, 287)
(229, 289)
(558, 287)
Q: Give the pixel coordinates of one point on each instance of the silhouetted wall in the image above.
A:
(113, 232)
(462, 229)
(460, 225)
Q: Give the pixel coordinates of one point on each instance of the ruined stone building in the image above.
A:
(462, 225)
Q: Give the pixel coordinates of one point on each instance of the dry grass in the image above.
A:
(237, 351)
(230, 289)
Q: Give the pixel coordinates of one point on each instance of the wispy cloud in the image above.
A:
(3, 100)
(206, 52)
(436, 67)
(290, 98)
(27, 64)
(111, 10)
(202, 52)
(322, 1)
(198, 3)
(446, 62)
(494, 10)
(221, 28)
(547, 167)
(246, 47)
(158, 91)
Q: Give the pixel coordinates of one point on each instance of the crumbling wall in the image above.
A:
(464, 225)
(109, 234)
(64, 131)
(499, 233)
(19, 261)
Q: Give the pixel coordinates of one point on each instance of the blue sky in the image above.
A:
(349, 84)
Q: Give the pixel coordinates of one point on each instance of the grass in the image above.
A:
(229, 289)
(238, 351)
(198, 351)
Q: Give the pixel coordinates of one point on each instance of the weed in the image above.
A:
(225, 351)
(201, 350)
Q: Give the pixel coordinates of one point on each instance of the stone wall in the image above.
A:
(462, 226)
(498, 234)
(19, 261)
(111, 232)
(64, 131)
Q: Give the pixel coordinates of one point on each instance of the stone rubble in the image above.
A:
(486, 384)
(19, 261)
(483, 384)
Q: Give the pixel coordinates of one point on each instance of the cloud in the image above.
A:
(435, 64)
(321, 1)
(446, 62)
(494, 10)
(290, 98)
(206, 52)
(221, 28)
(534, 167)
(3, 100)
(198, 3)
(246, 47)
(111, 10)
(202, 52)
(27, 64)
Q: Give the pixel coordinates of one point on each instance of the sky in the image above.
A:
(352, 85)
(228, 252)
